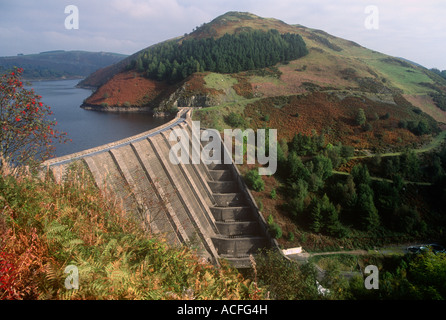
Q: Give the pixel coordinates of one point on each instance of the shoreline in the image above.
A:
(116, 109)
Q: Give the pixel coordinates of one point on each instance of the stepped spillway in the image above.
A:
(204, 206)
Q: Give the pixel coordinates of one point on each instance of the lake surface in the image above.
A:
(88, 129)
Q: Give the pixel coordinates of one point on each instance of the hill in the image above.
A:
(332, 63)
(60, 64)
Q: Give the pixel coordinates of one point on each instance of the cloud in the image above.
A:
(147, 9)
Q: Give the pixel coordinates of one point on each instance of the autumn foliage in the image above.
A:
(27, 133)
(45, 227)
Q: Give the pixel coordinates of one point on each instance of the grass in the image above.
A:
(404, 78)
(213, 117)
(223, 82)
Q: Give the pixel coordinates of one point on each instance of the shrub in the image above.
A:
(347, 151)
(367, 127)
(235, 120)
(286, 280)
(402, 124)
(173, 110)
(274, 228)
(254, 180)
(273, 194)
(276, 231)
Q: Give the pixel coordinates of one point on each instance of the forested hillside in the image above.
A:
(248, 50)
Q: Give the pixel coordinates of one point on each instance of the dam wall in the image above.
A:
(207, 207)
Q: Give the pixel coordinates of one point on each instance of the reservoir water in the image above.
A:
(88, 129)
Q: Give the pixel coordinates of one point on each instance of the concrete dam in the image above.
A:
(207, 207)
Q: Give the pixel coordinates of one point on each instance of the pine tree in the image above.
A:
(139, 65)
(316, 224)
(161, 71)
(296, 169)
(369, 218)
(361, 175)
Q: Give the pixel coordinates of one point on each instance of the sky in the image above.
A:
(411, 29)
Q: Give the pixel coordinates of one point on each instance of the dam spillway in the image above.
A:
(206, 206)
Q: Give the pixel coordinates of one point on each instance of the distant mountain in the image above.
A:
(60, 64)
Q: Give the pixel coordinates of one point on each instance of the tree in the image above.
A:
(298, 191)
(296, 169)
(27, 135)
(361, 117)
(334, 154)
(347, 151)
(408, 220)
(324, 216)
(282, 154)
(303, 144)
(423, 128)
(418, 277)
(139, 65)
(369, 218)
(316, 218)
(254, 180)
(410, 165)
(161, 71)
(361, 174)
(322, 167)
